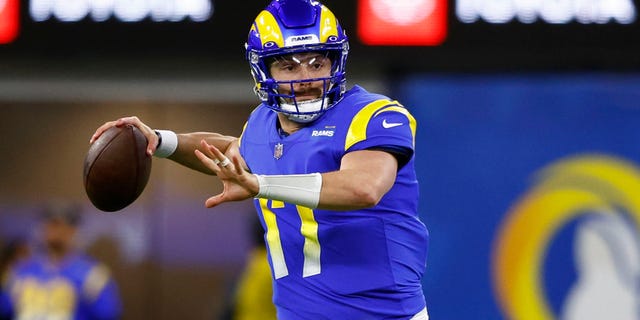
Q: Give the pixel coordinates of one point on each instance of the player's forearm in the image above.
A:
(339, 190)
(189, 142)
(351, 190)
(363, 179)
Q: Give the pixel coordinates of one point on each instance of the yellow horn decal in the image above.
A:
(268, 29)
(328, 24)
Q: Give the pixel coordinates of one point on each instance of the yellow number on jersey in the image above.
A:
(308, 229)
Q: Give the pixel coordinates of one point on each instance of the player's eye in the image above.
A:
(289, 67)
(318, 62)
(286, 66)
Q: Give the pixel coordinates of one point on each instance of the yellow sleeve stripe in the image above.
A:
(358, 128)
(328, 24)
(268, 29)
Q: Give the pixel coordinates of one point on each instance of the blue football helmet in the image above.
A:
(288, 27)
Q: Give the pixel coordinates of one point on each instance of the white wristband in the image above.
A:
(168, 143)
(301, 189)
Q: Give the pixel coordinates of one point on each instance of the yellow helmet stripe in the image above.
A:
(328, 25)
(268, 29)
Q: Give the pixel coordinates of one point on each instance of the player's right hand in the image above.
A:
(238, 184)
(150, 134)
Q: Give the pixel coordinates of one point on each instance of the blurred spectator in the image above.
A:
(253, 294)
(13, 252)
(253, 299)
(59, 281)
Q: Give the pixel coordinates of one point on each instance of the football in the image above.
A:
(116, 168)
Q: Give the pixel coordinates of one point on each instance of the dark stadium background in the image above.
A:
(174, 259)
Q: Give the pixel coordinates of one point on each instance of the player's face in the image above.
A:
(301, 66)
(58, 235)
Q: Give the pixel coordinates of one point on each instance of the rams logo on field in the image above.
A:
(569, 247)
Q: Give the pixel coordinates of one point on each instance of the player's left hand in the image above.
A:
(238, 183)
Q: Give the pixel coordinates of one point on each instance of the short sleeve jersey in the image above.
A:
(78, 288)
(358, 264)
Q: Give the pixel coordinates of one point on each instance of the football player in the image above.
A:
(330, 169)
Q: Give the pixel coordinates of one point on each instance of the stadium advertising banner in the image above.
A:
(445, 34)
(99, 27)
(530, 187)
(131, 11)
(406, 22)
(9, 21)
(424, 22)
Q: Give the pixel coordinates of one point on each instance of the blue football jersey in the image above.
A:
(76, 289)
(359, 264)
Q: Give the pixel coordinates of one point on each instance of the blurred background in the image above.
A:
(527, 146)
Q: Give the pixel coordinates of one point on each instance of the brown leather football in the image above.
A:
(116, 168)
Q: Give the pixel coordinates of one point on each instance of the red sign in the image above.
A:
(9, 20)
(402, 22)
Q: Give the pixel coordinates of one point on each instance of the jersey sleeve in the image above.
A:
(247, 130)
(102, 294)
(382, 125)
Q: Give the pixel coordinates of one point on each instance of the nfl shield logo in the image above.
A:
(277, 151)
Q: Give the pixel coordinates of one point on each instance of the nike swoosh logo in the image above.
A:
(387, 125)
